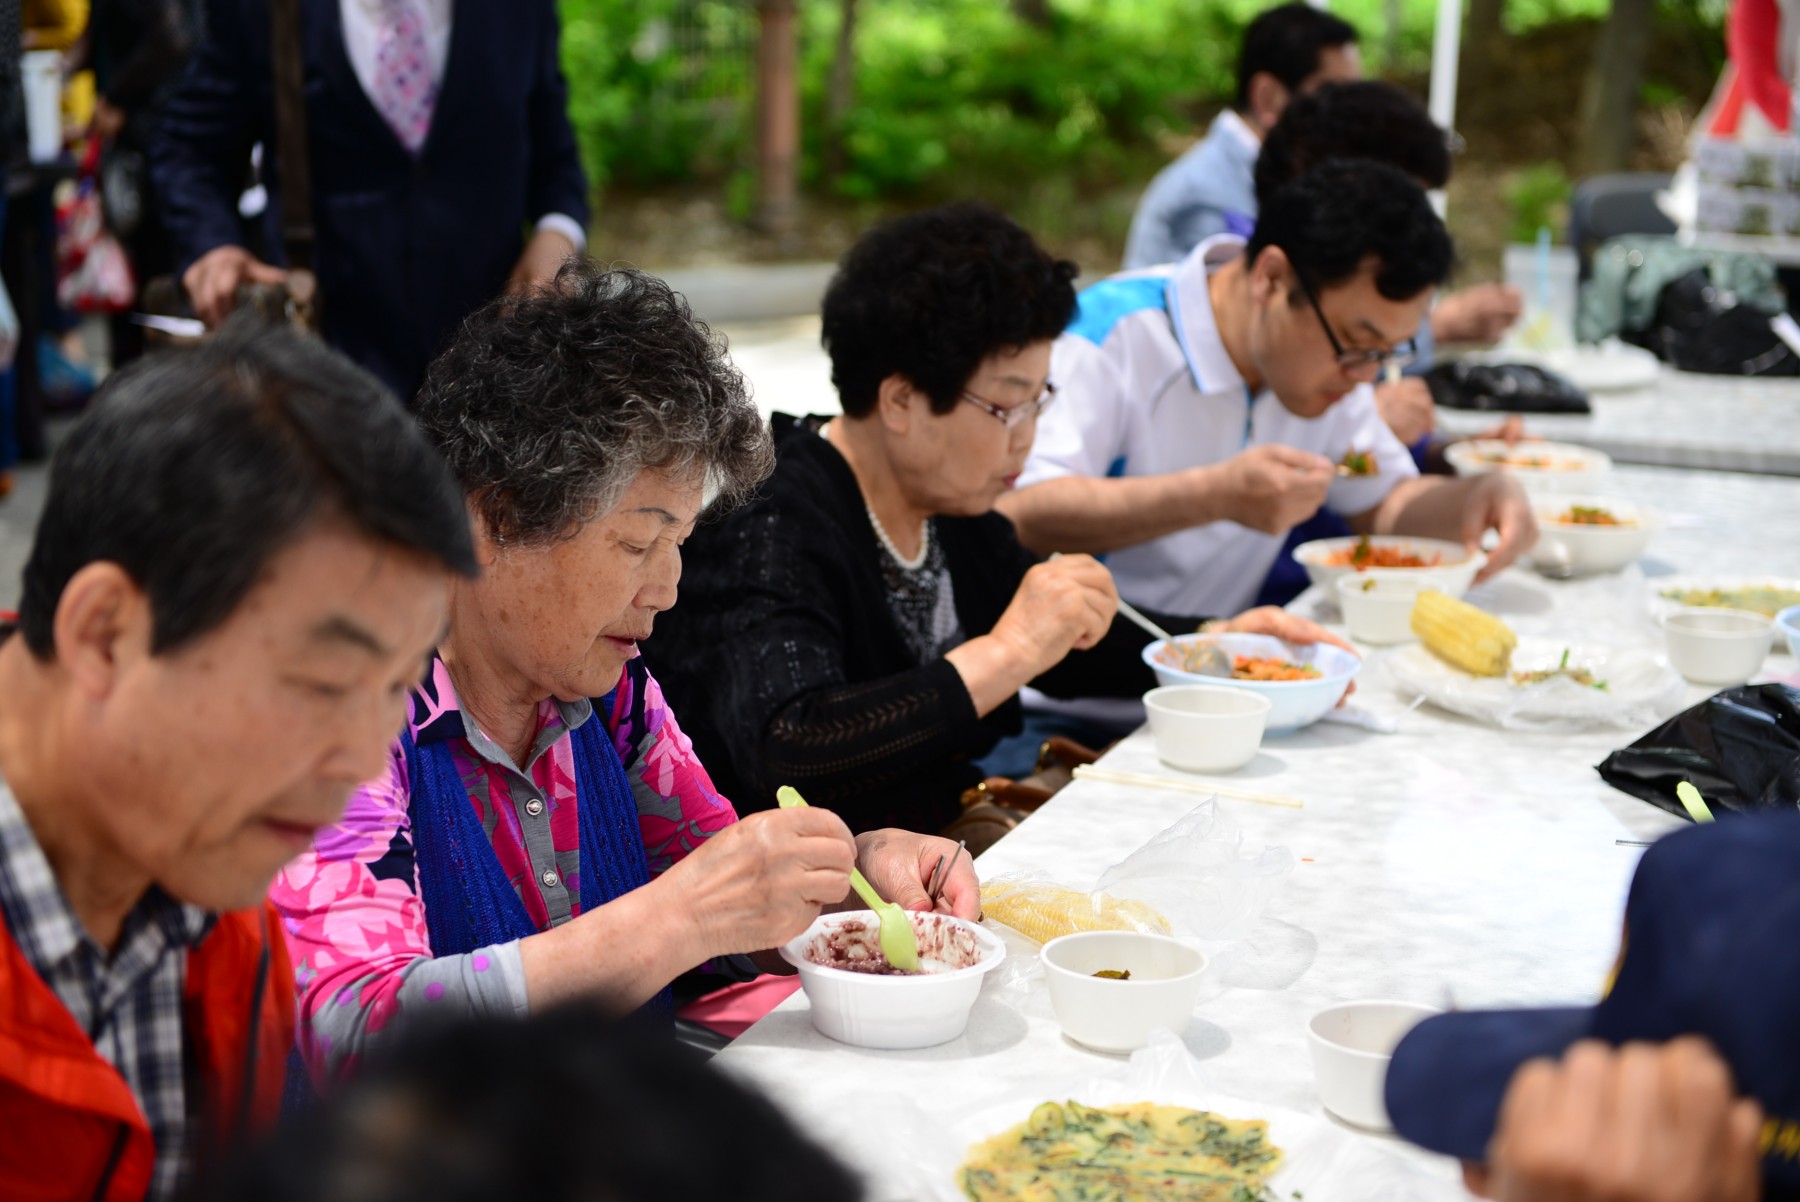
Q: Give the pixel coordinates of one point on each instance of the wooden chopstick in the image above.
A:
(1145, 780)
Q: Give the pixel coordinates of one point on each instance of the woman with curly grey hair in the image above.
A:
(543, 832)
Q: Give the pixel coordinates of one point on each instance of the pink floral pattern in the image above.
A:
(351, 907)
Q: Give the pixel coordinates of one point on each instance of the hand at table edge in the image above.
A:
(899, 865)
(1290, 628)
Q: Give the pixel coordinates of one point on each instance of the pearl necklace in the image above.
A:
(917, 561)
(910, 565)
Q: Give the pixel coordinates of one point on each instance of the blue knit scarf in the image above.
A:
(469, 902)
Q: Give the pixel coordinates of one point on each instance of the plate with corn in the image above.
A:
(1470, 662)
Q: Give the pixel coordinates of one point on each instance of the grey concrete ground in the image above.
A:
(750, 292)
(779, 356)
(18, 518)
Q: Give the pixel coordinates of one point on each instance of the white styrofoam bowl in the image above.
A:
(1206, 728)
(1118, 1016)
(1718, 646)
(1378, 607)
(890, 1012)
(1787, 622)
(1352, 1045)
(1292, 703)
(1454, 570)
(1564, 468)
(1590, 549)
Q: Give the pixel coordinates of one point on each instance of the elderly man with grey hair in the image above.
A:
(543, 832)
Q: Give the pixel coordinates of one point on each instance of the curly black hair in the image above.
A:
(1363, 120)
(1342, 212)
(930, 295)
(548, 404)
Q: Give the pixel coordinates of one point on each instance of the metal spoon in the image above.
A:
(1211, 661)
(1552, 560)
(940, 874)
(1201, 659)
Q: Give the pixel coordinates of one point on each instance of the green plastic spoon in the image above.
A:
(899, 942)
(1692, 801)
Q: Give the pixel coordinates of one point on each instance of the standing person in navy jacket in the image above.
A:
(443, 164)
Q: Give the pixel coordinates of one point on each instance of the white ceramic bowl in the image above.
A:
(1206, 728)
(1454, 570)
(1560, 467)
(1589, 549)
(1718, 646)
(1352, 1045)
(1118, 1016)
(1788, 623)
(873, 1011)
(1378, 607)
(1293, 703)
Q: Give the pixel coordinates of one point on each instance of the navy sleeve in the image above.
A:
(558, 183)
(203, 139)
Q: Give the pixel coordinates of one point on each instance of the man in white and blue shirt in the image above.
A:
(1203, 407)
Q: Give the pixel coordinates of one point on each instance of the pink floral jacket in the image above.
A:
(354, 918)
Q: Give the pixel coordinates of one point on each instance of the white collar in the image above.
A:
(1234, 124)
(1191, 314)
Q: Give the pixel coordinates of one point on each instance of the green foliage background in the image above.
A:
(949, 93)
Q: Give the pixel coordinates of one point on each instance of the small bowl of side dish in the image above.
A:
(1378, 608)
(1321, 673)
(1115, 1012)
(1206, 728)
(1352, 1045)
(1788, 623)
(1718, 646)
(1541, 467)
(1584, 535)
(857, 999)
(1451, 565)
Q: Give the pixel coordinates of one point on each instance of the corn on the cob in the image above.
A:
(1042, 912)
(1463, 636)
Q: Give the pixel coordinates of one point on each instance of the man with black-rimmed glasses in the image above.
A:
(1205, 407)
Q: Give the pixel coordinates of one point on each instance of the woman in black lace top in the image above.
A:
(863, 629)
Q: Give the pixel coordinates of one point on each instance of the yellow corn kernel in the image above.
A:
(1043, 912)
(1463, 636)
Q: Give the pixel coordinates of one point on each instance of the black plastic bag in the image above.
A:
(1740, 748)
(1701, 327)
(1504, 388)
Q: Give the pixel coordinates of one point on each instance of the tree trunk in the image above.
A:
(1609, 96)
(840, 90)
(1484, 58)
(1032, 12)
(778, 117)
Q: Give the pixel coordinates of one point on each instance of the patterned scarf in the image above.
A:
(469, 902)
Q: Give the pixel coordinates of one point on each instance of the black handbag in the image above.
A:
(1504, 388)
(1702, 327)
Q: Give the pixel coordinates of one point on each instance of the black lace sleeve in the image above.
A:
(786, 647)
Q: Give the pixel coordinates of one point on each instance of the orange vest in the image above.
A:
(69, 1125)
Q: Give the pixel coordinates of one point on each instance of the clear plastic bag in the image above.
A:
(1199, 875)
(1194, 880)
(1640, 690)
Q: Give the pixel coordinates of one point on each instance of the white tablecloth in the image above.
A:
(1447, 862)
(1726, 423)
